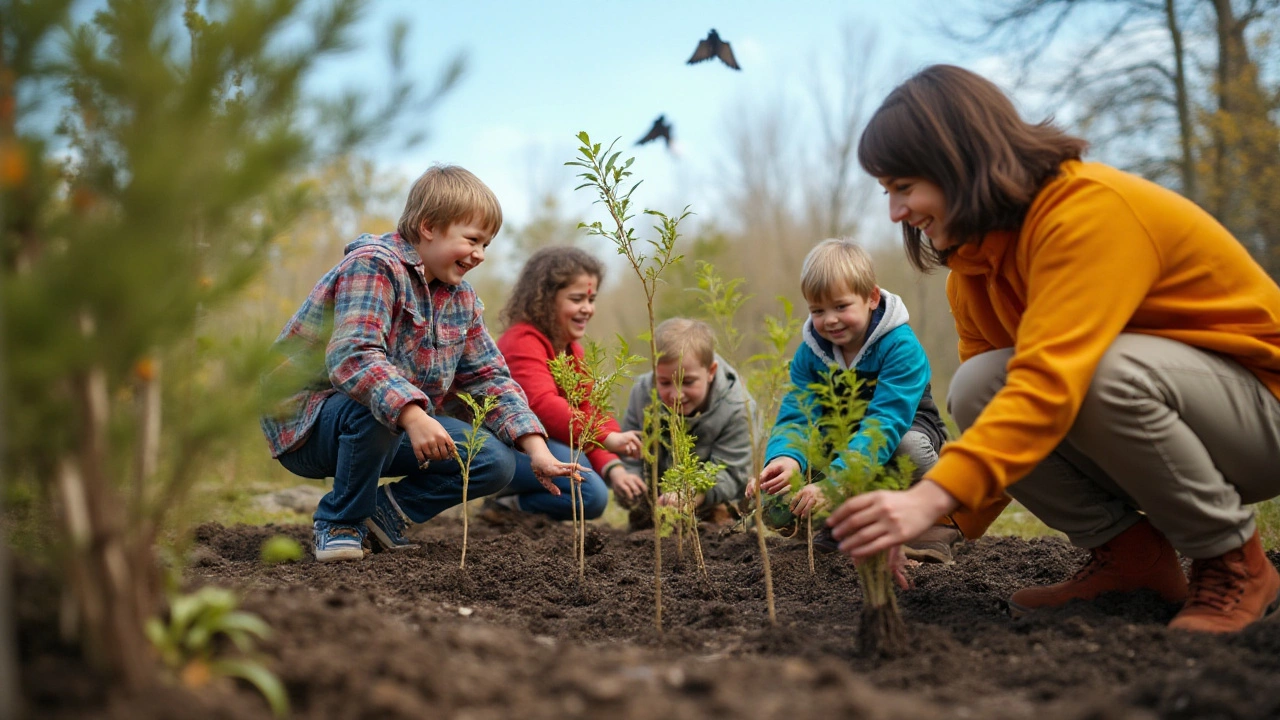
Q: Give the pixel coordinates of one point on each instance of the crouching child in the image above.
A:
(696, 382)
(383, 341)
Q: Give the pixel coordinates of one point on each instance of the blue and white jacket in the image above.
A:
(896, 377)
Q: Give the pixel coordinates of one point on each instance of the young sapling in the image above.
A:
(473, 443)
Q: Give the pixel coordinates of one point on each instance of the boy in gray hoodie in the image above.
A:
(714, 400)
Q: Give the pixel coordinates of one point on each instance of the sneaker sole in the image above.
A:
(339, 554)
(382, 542)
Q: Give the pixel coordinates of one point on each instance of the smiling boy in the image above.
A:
(401, 333)
(854, 323)
(696, 382)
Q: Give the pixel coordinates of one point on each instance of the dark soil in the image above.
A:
(410, 635)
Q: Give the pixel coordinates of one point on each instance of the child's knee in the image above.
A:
(492, 468)
(919, 449)
(595, 497)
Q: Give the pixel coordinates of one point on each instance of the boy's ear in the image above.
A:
(424, 231)
(874, 299)
(712, 368)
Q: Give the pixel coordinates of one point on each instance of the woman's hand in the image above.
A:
(624, 443)
(429, 439)
(872, 522)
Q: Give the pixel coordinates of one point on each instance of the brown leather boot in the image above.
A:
(1230, 591)
(1140, 558)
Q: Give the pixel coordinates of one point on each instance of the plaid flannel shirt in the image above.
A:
(394, 340)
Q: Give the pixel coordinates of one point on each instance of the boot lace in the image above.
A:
(1099, 558)
(1216, 582)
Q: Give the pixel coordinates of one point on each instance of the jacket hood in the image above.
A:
(891, 313)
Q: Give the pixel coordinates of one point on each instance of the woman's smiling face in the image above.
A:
(920, 204)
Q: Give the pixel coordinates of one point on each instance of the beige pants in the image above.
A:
(1187, 437)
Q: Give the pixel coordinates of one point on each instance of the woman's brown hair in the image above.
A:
(958, 130)
(547, 271)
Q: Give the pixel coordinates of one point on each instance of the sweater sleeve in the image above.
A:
(1088, 243)
(732, 448)
(904, 373)
(791, 417)
(527, 352)
(634, 420)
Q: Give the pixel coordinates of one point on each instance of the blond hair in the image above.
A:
(682, 337)
(446, 194)
(835, 265)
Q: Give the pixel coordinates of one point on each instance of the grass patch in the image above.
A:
(1018, 521)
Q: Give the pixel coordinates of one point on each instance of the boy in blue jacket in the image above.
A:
(853, 323)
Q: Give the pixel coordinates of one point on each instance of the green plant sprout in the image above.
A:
(188, 645)
(688, 478)
(766, 376)
(587, 384)
(609, 178)
(473, 443)
(836, 398)
(811, 445)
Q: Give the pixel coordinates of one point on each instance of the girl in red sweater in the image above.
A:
(547, 314)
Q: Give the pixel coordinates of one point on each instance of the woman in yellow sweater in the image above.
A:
(1121, 357)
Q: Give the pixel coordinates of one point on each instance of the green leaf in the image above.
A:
(260, 677)
(280, 549)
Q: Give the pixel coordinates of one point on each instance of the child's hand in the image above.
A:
(627, 484)
(673, 499)
(776, 476)
(546, 466)
(624, 443)
(807, 499)
(428, 437)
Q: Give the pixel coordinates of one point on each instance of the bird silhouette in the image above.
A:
(661, 129)
(713, 46)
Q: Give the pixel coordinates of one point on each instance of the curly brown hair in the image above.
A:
(545, 273)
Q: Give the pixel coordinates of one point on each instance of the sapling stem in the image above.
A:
(604, 173)
(473, 442)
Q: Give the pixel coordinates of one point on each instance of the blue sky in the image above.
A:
(538, 72)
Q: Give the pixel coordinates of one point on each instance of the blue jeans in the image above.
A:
(535, 499)
(353, 448)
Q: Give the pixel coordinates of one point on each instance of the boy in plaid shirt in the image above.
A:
(402, 332)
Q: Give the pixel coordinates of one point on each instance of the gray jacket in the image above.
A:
(720, 431)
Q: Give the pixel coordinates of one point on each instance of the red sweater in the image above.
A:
(527, 351)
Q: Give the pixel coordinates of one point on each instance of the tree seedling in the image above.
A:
(588, 386)
(847, 473)
(473, 442)
(609, 178)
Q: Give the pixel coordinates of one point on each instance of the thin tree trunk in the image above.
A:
(1186, 132)
(109, 604)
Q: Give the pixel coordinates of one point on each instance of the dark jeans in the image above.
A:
(535, 499)
(353, 448)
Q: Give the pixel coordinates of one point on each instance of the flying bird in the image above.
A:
(661, 129)
(713, 46)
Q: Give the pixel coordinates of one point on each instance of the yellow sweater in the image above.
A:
(1101, 252)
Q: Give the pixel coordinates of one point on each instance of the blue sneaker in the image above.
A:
(387, 525)
(338, 542)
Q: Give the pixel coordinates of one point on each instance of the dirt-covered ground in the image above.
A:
(515, 634)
